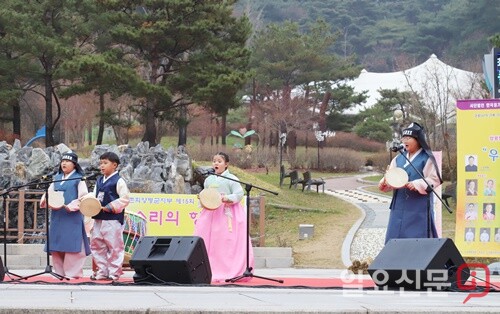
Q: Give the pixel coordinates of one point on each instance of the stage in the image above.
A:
(303, 291)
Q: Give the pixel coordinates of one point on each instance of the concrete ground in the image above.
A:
(98, 298)
(350, 297)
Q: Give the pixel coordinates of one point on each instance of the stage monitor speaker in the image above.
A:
(171, 259)
(2, 270)
(417, 264)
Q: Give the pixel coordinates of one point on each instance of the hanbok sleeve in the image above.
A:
(431, 176)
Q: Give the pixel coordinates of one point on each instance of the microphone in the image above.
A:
(397, 148)
(209, 171)
(91, 176)
(50, 175)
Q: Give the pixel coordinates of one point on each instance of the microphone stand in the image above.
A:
(429, 186)
(48, 267)
(6, 269)
(248, 270)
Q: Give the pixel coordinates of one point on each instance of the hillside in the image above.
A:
(384, 33)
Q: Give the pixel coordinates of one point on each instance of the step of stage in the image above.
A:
(32, 256)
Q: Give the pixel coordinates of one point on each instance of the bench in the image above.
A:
(283, 174)
(450, 191)
(308, 181)
(294, 179)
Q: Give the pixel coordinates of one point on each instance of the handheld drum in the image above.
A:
(396, 177)
(210, 198)
(55, 198)
(90, 206)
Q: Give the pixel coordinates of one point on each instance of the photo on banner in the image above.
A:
(477, 232)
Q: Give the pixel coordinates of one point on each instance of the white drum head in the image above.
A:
(55, 198)
(210, 198)
(90, 206)
(396, 177)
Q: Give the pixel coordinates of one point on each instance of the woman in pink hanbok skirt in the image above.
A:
(224, 230)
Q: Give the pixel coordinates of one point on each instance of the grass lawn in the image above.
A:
(332, 218)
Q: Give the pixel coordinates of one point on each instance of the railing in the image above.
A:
(27, 201)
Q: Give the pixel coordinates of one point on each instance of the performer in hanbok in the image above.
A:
(106, 239)
(223, 230)
(68, 242)
(412, 214)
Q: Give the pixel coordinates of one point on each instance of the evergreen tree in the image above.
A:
(285, 58)
(186, 51)
(46, 33)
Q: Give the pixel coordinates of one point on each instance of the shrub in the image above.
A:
(330, 159)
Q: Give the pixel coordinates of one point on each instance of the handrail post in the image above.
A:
(20, 217)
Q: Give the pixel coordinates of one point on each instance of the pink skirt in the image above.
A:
(224, 232)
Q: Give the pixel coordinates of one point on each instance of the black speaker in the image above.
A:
(171, 259)
(417, 264)
(2, 270)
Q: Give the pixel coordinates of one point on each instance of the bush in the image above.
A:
(354, 142)
(330, 160)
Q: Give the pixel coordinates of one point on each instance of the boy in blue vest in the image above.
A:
(106, 240)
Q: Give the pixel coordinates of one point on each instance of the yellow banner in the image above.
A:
(477, 230)
(165, 214)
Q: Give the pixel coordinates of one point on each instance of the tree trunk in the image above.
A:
(90, 133)
(182, 126)
(16, 119)
(100, 132)
(211, 130)
(223, 129)
(118, 135)
(150, 131)
(49, 135)
(322, 111)
(217, 131)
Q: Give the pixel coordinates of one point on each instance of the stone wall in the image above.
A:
(145, 169)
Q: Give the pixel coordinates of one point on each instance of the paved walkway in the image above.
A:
(366, 238)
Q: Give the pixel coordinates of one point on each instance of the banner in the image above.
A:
(477, 230)
(166, 214)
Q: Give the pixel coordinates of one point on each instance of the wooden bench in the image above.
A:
(308, 181)
(283, 175)
(294, 179)
(450, 191)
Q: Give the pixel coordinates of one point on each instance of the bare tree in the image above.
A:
(434, 88)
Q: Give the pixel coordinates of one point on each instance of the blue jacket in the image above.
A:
(66, 229)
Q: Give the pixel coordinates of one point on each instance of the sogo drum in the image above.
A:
(135, 228)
